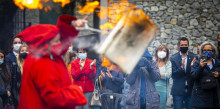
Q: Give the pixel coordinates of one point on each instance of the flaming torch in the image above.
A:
(131, 33)
(128, 40)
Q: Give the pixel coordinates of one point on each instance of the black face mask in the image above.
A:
(23, 55)
(183, 49)
(218, 43)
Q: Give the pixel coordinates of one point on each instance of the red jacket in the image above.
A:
(46, 83)
(84, 77)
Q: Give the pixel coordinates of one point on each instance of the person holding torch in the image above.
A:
(46, 83)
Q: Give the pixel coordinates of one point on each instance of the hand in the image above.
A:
(8, 93)
(102, 75)
(194, 60)
(202, 63)
(215, 74)
(80, 22)
(109, 74)
(183, 63)
(93, 62)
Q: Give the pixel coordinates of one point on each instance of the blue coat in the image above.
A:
(115, 84)
(180, 76)
(134, 79)
(200, 97)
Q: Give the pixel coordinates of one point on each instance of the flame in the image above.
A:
(48, 8)
(113, 13)
(89, 7)
(63, 2)
(38, 4)
(105, 62)
(108, 64)
(30, 4)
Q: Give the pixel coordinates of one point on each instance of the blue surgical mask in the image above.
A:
(82, 55)
(1, 62)
(208, 54)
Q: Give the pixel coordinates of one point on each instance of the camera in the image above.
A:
(204, 58)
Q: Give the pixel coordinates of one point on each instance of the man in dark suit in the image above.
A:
(181, 67)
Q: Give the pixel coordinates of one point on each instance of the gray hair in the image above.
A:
(213, 48)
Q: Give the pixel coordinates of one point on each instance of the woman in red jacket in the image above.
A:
(83, 72)
(45, 82)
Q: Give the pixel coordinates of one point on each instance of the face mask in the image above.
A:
(57, 49)
(161, 54)
(208, 54)
(82, 55)
(183, 49)
(16, 47)
(1, 62)
(219, 43)
(23, 55)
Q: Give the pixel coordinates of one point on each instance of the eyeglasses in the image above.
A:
(208, 50)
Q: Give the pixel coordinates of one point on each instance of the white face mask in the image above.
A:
(16, 47)
(161, 54)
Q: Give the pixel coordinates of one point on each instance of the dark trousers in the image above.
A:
(178, 101)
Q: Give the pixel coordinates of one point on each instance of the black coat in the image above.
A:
(200, 97)
(3, 89)
(180, 76)
(15, 77)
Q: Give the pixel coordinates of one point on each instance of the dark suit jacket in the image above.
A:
(180, 76)
(10, 59)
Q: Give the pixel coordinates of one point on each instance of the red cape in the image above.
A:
(46, 83)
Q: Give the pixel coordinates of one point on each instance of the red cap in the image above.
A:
(37, 35)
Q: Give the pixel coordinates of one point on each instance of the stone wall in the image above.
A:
(198, 20)
(32, 17)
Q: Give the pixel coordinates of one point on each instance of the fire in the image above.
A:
(113, 12)
(89, 7)
(63, 2)
(30, 4)
(38, 4)
(108, 64)
(105, 62)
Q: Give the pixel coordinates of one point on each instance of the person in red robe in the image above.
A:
(46, 83)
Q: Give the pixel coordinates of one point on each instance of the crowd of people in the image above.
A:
(41, 72)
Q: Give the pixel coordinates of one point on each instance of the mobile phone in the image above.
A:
(204, 57)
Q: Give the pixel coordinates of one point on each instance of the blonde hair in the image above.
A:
(68, 57)
(20, 61)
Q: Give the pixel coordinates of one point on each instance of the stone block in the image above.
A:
(173, 21)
